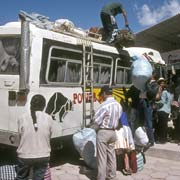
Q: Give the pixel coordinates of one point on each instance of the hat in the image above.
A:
(161, 79)
(106, 89)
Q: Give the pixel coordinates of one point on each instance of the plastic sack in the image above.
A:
(141, 72)
(85, 143)
(63, 25)
(140, 137)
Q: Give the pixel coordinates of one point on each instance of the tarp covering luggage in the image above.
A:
(85, 143)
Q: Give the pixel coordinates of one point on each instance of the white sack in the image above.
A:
(141, 72)
(140, 137)
(85, 143)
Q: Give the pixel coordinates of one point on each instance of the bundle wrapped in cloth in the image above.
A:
(85, 143)
(141, 67)
(141, 72)
(124, 37)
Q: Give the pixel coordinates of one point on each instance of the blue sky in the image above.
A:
(85, 13)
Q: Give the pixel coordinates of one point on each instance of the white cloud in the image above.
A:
(148, 16)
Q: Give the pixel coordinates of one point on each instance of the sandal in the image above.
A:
(126, 172)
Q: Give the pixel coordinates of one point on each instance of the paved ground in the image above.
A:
(161, 164)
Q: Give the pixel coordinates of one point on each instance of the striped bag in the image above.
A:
(47, 175)
(7, 172)
(140, 161)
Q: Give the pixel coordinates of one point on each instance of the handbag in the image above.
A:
(157, 105)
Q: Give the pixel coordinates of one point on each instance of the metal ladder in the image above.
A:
(88, 82)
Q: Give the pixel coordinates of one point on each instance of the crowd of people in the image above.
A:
(116, 122)
(150, 109)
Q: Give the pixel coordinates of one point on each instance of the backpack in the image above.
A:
(151, 90)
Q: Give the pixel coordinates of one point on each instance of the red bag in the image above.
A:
(133, 161)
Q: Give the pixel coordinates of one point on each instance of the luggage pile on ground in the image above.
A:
(85, 143)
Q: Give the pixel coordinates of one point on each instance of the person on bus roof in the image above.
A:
(108, 13)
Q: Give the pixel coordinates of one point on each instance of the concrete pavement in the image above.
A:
(162, 162)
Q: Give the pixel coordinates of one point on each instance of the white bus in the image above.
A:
(68, 70)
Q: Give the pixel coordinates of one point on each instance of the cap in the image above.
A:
(106, 89)
(161, 79)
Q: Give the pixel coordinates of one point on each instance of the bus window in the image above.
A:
(57, 71)
(123, 75)
(96, 73)
(119, 76)
(73, 73)
(102, 69)
(64, 67)
(128, 79)
(9, 55)
(123, 72)
(105, 74)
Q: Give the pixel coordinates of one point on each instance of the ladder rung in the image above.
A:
(89, 81)
(88, 66)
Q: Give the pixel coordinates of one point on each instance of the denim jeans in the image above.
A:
(39, 166)
(145, 111)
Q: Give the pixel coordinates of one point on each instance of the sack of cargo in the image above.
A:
(85, 143)
(124, 38)
(141, 73)
(140, 137)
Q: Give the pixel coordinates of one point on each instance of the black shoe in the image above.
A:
(149, 145)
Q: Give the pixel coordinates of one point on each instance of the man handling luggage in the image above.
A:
(108, 13)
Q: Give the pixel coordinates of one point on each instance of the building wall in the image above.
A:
(171, 57)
